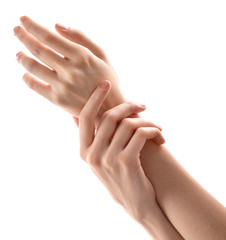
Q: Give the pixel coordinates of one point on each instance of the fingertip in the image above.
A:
(23, 19)
(61, 27)
(105, 85)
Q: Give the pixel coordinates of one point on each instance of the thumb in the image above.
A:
(76, 121)
(79, 37)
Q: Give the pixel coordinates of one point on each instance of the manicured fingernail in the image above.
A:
(16, 30)
(17, 55)
(104, 85)
(22, 19)
(61, 27)
(141, 105)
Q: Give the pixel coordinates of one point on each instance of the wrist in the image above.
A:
(114, 98)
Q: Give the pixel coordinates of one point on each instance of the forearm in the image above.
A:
(189, 207)
(159, 227)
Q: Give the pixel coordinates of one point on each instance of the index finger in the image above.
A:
(89, 112)
(49, 38)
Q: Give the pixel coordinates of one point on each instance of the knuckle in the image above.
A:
(37, 49)
(47, 37)
(109, 116)
(127, 123)
(93, 160)
(31, 65)
(140, 132)
(84, 60)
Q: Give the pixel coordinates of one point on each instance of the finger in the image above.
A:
(111, 118)
(38, 86)
(76, 121)
(78, 37)
(36, 68)
(39, 50)
(48, 37)
(89, 113)
(139, 138)
(126, 130)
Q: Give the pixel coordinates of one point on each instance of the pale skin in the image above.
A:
(183, 203)
(113, 153)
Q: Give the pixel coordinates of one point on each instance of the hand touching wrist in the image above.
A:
(112, 151)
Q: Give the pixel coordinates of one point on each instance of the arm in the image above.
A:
(113, 155)
(191, 209)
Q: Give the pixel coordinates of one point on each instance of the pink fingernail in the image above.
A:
(104, 85)
(22, 18)
(17, 55)
(62, 27)
(16, 30)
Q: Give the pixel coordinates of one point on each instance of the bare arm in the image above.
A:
(191, 209)
(114, 156)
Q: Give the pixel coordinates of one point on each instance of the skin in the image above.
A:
(69, 79)
(190, 208)
(113, 153)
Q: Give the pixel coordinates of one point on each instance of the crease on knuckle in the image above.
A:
(37, 49)
(31, 65)
(47, 37)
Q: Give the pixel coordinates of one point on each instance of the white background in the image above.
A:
(170, 55)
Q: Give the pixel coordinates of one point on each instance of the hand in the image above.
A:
(113, 151)
(75, 67)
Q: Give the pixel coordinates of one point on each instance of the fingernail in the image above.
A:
(22, 19)
(141, 105)
(17, 55)
(16, 30)
(62, 27)
(104, 85)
